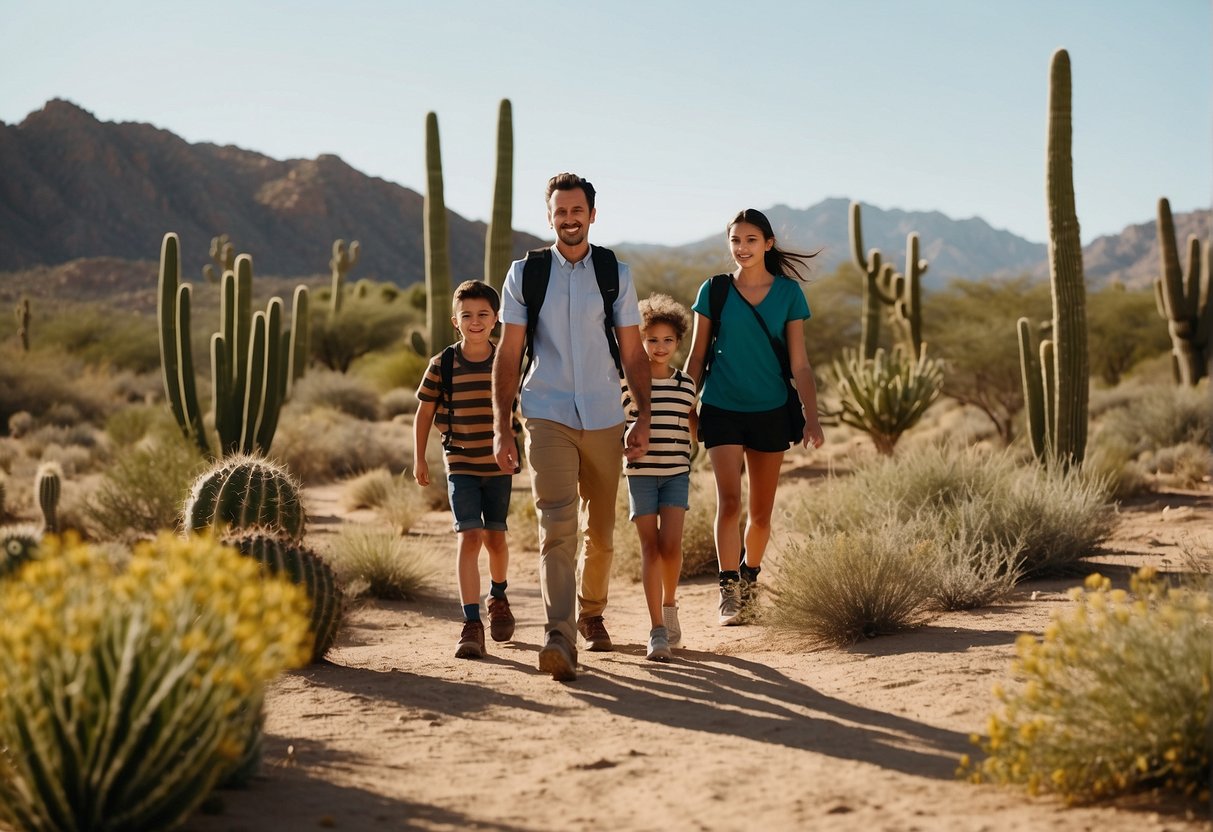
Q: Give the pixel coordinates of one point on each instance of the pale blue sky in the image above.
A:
(681, 113)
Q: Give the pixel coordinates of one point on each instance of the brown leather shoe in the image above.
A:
(597, 640)
(471, 641)
(501, 620)
(558, 658)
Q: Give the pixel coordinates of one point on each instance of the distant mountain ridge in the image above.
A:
(74, 187)
(77, 187)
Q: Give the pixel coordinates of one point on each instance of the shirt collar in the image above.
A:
(564, 262)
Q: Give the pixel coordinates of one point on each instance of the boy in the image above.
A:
(479, 490)
(659, 481)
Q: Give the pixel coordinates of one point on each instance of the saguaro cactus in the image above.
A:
(23, 323)
(249, 363)
(1062, 381)
(885, 288)
(245, 492)
(340, 264)
(48, 486)
(499, 244)
(437, 249)
(1184, 301)
(223, 255)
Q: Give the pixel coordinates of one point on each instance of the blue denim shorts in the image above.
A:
(647, 494)
(479, 502)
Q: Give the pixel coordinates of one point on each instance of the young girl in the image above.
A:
(744, 420)
(659, 481)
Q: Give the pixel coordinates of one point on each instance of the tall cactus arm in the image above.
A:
(254, 385)
(1033, 388)
(221, 382)
(185, 371)
(166, 317)
(298, 349)
(498, 249)
(275, 372)
(437, 246)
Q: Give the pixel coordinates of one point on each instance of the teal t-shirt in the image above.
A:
(745, 374)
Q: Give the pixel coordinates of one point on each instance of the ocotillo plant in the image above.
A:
(223, 253)
(248, 361)
(340, 264)
(499, 244)
(48, 485)
(1058, 427)
(437, 250)
(23, 324)
(885, 288)
(245, 492)
(1183, 301)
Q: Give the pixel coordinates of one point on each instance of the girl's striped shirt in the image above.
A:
(669, 434)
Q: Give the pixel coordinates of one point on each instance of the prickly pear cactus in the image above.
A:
(304, 568)
(243, 492)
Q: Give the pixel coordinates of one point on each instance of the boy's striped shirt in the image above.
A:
(669, 433)
(471, 448)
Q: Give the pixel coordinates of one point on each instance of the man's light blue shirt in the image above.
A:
(573, 380)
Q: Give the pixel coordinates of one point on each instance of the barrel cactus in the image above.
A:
(242, 492)
(304, 568)
(18, 543)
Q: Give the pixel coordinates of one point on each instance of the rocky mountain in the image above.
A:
(77, 187)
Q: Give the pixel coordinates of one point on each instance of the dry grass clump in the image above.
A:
(1114, 698)
(37, 381)
(396, 499)
(324, 445)
(1160, 417)
(382, 564)
(1112, 460)
(1185, 465)
(972, 570)
(840, 587)
(399, 403)
(337, 391)
(401, 369)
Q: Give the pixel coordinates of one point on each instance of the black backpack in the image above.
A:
(718, 293)
(535, 274)
(446, 370)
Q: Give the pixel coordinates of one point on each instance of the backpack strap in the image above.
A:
(446, 367)
(606, 272)
(718, 293)
(777, 346)
(535, 274)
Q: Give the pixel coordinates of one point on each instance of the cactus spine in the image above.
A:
(1184, 301)
(48, 485)
(884, 287)
(23, 324)
(1063, 377)
(243, 492)
(437, 249)
(223, 253)
(306, 569)
(340, 264)
(499, 247)
(248, 360)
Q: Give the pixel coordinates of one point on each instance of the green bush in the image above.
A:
(383, 563)
(1160, 417)
(1114, 698)
(104, 338)
(129, 694)
(391, 369)
(323, 445)
(37, 381)
(343, 393)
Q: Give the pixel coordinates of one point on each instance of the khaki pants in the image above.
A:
(571, 469)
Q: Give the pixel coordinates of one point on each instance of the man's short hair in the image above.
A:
(567, 182)
(473, 289)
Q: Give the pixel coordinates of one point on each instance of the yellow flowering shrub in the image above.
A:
(1115, 697)
(126, 695)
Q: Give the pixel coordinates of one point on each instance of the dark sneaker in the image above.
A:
(471, 641)
(730, 603)
(597, 640)
(558, 657)
(501, 620)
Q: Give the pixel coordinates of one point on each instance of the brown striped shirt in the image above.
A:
(471, 447)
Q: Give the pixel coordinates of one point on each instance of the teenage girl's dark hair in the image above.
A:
(777, 260)
(567, 182)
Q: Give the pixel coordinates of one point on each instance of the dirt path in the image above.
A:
(741, 731)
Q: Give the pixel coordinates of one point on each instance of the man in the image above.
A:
(571, 406)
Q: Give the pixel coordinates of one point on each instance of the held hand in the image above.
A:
(636, 440)
(421, 472)
(505, 452)
(813, 434)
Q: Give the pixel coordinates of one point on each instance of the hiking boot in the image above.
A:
(501, 620)
(669, 617)
(471, 641)
(558, 658)
(597, 640)
(659, 645)
(730, 603)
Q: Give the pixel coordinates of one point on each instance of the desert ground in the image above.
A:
(746, 729)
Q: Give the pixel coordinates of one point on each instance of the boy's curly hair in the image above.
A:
(663, 309)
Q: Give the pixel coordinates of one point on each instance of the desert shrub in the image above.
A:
(128, 425)
(1115, 697)
(340, 392)
(366, 324)
(104, 338)
(129, 694)
(399, 402)
(523, 522)
(1185, 465)
(391, 567)
(400, 368)
(1111, 459)
(36, 381)
(396, 499)
(844, 586)
(970, 569)
(144, 486)
(1160, 418)
(323, 445)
